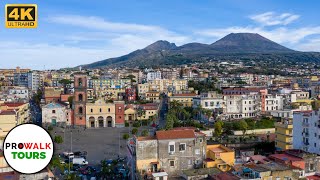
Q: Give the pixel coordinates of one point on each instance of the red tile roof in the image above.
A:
(314, 177)
(7, 113)
(285, 157)
(175, 134)
(185, 94)
(13, 104)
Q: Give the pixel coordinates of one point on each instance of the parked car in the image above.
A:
(80, 161)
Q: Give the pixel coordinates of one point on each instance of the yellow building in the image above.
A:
(100, 114)
(220, 157)
(153, 96)
(109, 93)
(147, 112)
(163, 85)
(186, 99)
(21, 111)
(283, 131)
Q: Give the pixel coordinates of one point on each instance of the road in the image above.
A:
(35, 111)
(163, 111)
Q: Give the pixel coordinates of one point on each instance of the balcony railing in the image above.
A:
(305, 124)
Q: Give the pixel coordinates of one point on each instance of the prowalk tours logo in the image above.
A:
(28, 148)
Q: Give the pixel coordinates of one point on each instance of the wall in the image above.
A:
(256, 131)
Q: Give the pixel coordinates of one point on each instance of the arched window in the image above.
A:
(80, 82)
(80, 110)
(80, 97)
(100, 110)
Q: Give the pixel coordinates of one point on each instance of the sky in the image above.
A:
(75, 32)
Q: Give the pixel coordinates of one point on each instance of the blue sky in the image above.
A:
(74, 32)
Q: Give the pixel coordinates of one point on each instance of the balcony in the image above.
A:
(306, 143)
(305, 124)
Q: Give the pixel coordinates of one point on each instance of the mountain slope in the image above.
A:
(235, 46)
(247, 43)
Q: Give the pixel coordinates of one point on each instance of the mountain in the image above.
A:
(247, 42)
(233, 46)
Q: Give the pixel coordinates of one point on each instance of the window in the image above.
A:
(53, 111)
(80, 97)
(182, 147)
(171, 148)
(119, 109)
(171, 163)
(100, 110)
(197, 151)
(311, 167)
(200, 140)
(108, 109)
(315, 144)
(91, 110)
(80, 110)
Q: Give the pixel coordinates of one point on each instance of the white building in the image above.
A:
(56, 114)
(210, 100)
(34, 81)
(272, 102)
(242, 106)
(306, 131)
(20, 92)
(153, 75)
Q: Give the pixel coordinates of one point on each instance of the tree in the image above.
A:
(134, 131)
(145, 133)
(218, 128)
(55, 163)
(50, 128)
(170, 119)
(140, 112)
(58, 139)
(208, 113)
(243, 126)
(125, 136)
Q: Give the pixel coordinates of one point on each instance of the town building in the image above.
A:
(153, 75)
(56, 114)
(170, 151)
(306, 131)
(100, 114)
(219, 156)
(186, 99)
(283, 131)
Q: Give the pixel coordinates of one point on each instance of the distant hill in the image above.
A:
(235, 45)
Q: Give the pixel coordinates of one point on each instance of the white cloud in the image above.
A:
(271, 18)
(311, 45)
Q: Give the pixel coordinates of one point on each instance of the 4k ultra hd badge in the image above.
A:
(28, 148)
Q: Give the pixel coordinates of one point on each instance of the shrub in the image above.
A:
(125, 136)
(58, 139)
(126, 124)
(144, 133)
(134, 131)
(50, 128)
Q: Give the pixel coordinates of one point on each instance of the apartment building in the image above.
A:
(283, 131)
(306, 131)
(153, 75)
(170, 151)
(186, 99)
